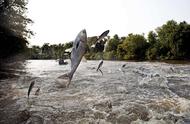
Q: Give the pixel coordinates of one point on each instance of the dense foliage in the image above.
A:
(13, 27)
(170, 41)
(48, 51)
(174, 40)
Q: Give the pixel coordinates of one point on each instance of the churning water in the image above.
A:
(128, 92)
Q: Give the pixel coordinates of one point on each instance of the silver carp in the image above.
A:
(30, 87)
(78, 51)
(103, 35)
(100, 65)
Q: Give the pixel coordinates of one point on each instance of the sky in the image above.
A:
(59, 21)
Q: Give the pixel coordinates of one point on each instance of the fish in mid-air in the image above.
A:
(78, 51)
(30, 87)
(100, 65)
(104, 34)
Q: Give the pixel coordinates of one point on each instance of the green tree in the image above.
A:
(153, 50)
(133, 47)
(183, 40)
(174, 39)
(35, 52)
(13, 27)
(113, 43)
(46, 51)
(111, 55)
(166, 35)
(13, 17)
(152, 38)
(68, 45)
(121, 51)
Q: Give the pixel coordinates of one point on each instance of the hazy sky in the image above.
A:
(59, 21)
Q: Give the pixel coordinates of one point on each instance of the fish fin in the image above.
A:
(68, 77)
(67, 85)
(84, 59)
(64, 75)
(30, 88)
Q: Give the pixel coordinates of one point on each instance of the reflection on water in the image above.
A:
(128, 92)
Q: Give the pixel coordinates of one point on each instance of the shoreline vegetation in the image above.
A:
(171, 41)
(13, 30)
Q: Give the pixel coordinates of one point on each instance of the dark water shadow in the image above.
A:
(9, 110)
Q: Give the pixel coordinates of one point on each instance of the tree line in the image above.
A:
(47, 51)
(169, 41)
(13, 27)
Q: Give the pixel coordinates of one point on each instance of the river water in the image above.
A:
(127, 92)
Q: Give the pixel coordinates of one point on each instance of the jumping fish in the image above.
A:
(37, 91)
(104, 34)
(100, 65)
(78, 51)
(123, 65)
(30, 87)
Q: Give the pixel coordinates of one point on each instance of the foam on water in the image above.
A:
(138, 93)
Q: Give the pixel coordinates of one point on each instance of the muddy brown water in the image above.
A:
(128, 92)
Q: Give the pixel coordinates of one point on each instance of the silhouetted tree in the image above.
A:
(13, 30)
(12, 17)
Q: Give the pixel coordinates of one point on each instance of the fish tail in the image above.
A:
(67, 75)
(64, 75)
(67, 85)
(101, 71)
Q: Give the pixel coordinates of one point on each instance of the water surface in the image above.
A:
(128, 92)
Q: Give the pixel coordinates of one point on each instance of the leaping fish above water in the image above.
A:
(78, 51)
(100, 65)
(104, 34)
(30, 87)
